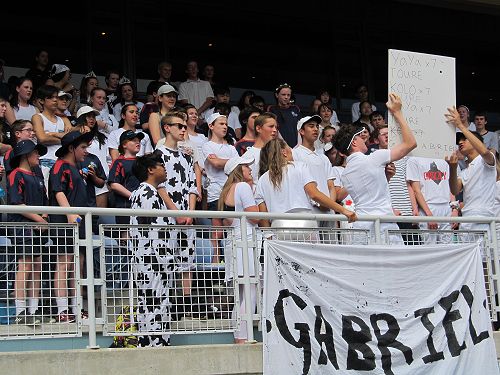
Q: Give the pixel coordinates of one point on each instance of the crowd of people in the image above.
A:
(187, 148)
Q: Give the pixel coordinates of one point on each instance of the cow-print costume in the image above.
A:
(180, 184)
(154, 262)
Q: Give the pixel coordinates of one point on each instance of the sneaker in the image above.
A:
(64, 317)
(27, 319)
(43, 317)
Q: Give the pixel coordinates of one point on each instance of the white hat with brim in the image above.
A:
(232, 163)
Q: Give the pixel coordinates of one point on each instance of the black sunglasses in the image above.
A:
(178, 124)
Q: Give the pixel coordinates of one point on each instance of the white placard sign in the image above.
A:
(426, 85)
(392, 310)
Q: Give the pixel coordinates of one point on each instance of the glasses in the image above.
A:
(179, 125)
(29, 130)
(354, 136)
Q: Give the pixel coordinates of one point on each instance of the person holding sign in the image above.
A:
(477, 180)
(364, 175)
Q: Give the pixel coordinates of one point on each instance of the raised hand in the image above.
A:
(394, 104)
(452, 160)
(453, 117)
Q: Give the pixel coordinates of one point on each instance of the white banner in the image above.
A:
(332, 309)
(426, 85)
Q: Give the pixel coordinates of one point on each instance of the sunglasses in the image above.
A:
(179, 125)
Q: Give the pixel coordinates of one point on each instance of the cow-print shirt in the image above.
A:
(181, 179)
(146, 197)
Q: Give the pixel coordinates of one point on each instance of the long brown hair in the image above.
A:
(273, 160)
(234, 177)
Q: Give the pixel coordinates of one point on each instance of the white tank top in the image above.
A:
(24, 113)
(52, 127)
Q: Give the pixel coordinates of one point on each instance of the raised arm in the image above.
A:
(408, 143)
(453, 118)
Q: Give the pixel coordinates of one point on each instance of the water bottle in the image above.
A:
(2, 194)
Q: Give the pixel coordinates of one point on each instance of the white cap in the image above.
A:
(328, 146)
(58, 68)
(213, 117)
(165, 89)
(303, 120)
(86, 109)
(61, 93)
(232, 163)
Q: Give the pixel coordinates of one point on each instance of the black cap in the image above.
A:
(459, 136)
(72, 138)
(130, 134)
(24, 148)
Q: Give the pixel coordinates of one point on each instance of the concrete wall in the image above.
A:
(181, 360)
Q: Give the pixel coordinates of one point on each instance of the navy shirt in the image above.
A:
(99, 171)
(121, 173)
(287, 122)
(66, 178)
(25, 187)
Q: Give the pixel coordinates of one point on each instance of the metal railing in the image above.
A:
(199, 298)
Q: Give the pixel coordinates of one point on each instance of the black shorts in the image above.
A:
(26, 241)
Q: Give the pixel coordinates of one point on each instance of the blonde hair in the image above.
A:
(273, 160)
(234, 177)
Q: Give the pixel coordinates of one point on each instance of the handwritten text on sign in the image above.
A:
(426, 85)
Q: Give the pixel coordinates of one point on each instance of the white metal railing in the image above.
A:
(112, 295)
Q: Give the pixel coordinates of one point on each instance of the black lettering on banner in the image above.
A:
(356, 341)
(433, 355)
(388, 339)
(326, 338)
(304, 340)
(469, 298)
(451, 316)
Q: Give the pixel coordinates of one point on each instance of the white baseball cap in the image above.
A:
(61, 93)
(303, 120)
(86, 109)
(232, 163)
(213, 117)
(165, 89)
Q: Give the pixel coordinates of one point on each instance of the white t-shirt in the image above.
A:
(243, 198)
(195, 92)
(497, 203)
(114, 141)
(365, 181)
(479, 187)
(291, 195)
(319, 165)
(216, 176)
(52, 127)
(255, 152)
(109, 119)
(24, 113)
(434, 177)
(355, 112)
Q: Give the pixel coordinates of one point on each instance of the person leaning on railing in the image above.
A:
(287, 186)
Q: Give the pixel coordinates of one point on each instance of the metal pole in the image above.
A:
(496, 265)
(89, 250)
(248, 315)
(378, 239)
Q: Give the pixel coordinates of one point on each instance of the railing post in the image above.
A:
(248, 316)
(89, 252)
(378, 239)
(496, 265)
